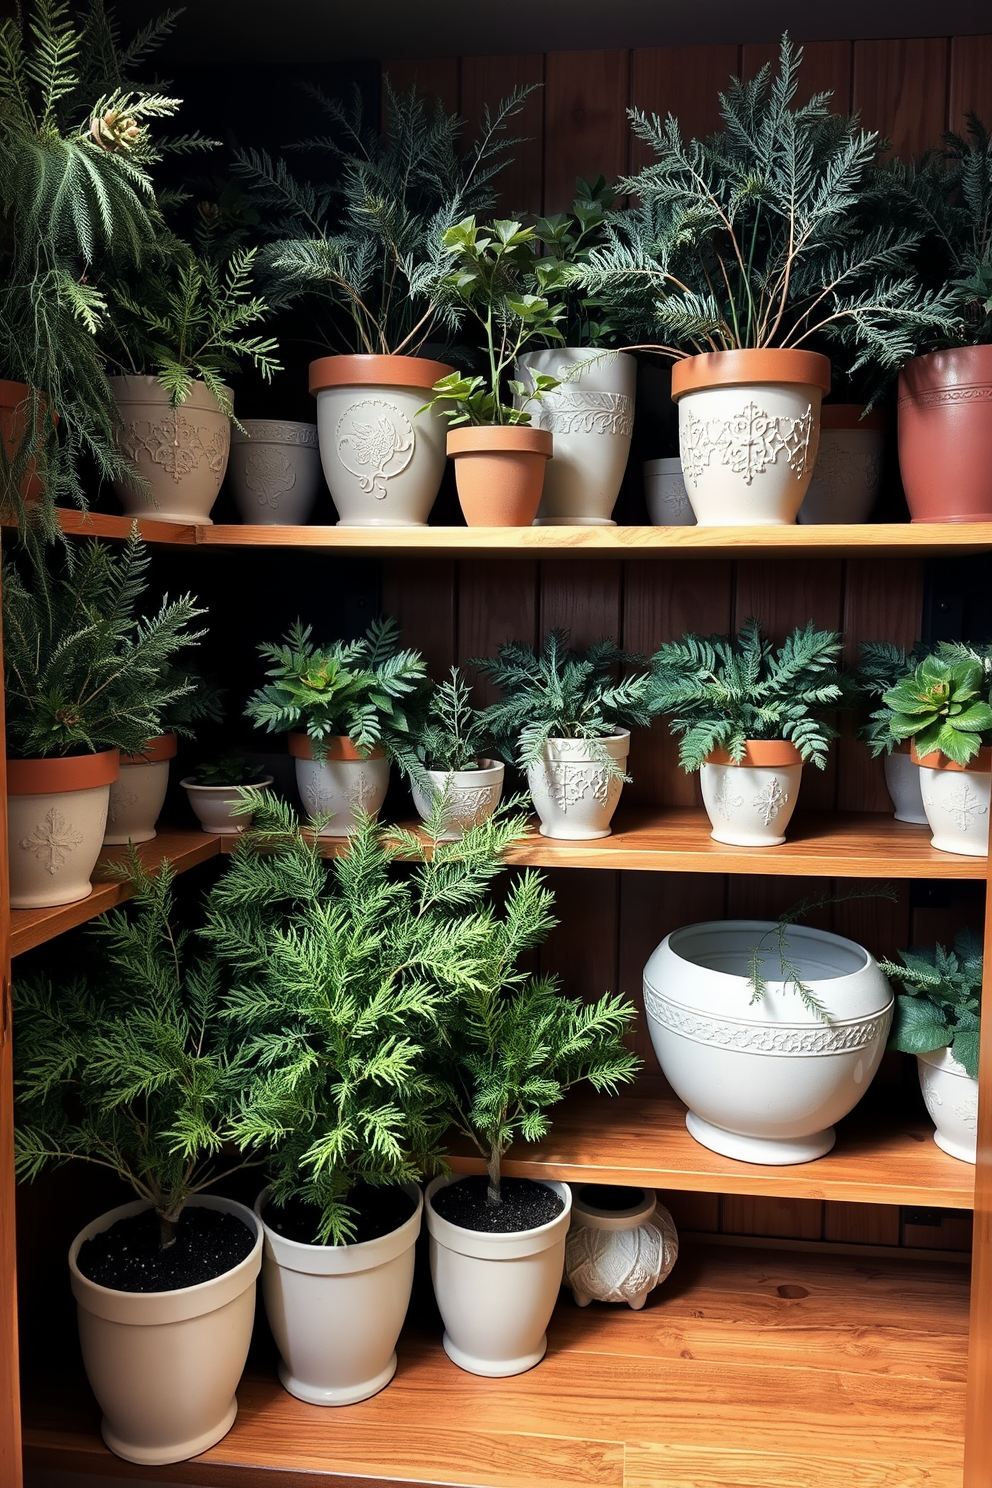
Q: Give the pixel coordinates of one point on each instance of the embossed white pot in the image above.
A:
(214, 805)
(56, 818)
(180, 453)
(902, 781)
(749, 422)
(344, 786)
(765, 1081)
(574, 791)
(138, 794)
(665, 493)
(591, 416)
(164, 1366)
(383, 459)
(848, 469)
(618, 1251)
(956, 799)
(470, 796)
(274, 472)
(496, 1293)
(751, 804)
(951, 1097)
(336, 1310)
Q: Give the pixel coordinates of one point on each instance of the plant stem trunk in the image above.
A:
(492, 1168)
(168, 1230)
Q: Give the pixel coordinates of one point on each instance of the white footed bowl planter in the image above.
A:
(665, 493)
(274, 472)
(573, 791)
(164, 1366)
(56, 818)
(751, 804)
(344, 786)
(383, 459)
(848, 469)
(496, 1293)
(591, 416)
(214, 805)
(621, 1244)
(956, 799)
(336, 1310)
(470, 796)
(749, 424)
(902, 781)
(951, 1098)
(180, 453)
(138, 794)
(765, 1081)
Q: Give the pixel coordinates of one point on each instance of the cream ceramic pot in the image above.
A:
(618, 1252)
(274, 472)
(164, 1366)
(214, 805)
(956, 799)
(665, 493)
(56, 818)
(902, 781)
(344, 786)
(180, 453)
(848, 470)
(470, 796)
(138, 794)
(765, 1081)
(951, 1097)
(751, 804)
(573, 790)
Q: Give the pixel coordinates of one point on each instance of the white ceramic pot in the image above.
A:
(164, 1366)
(848, 470)
(336, 1310)
(56, 818)
(751, 804)
(343, 787)
(665, 493)
(274, 472)
(618, 1252)
(383, 458)
(591, 416)
(765, 1081)
(749, 423)
(956, 799)
(470, 796)
(214, 805)
(138, 794)
(496, 1293)
(902, 781)
(180, 453)
(573, 791)
(951, 1097)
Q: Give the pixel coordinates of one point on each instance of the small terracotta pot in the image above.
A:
(56, 816)
(957, 800)
(138, 794)
(343, 786)
(499, 472)
(945, 435)
(751, 804)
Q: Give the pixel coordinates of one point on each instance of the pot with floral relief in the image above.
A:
(344, 786)
(274, 472)
(957, 799)
(470, 796)
(621, 1244)
(576, 786)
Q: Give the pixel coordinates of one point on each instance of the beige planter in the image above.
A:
(214, 805)
(164, 1366)
(138, 794)
(470, 796)
(56, 817)
(180, 453)
(344, 786)
(274, 472)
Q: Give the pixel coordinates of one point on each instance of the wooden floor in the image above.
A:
(748, 1369)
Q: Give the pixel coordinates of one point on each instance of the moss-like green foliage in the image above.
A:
(940, 1005)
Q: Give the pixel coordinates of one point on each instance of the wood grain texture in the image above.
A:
(900, 89)
(826, 68)
(782, 1219)
(582, 949)
(430, 626)
(437, 75)
(971, 80)
(978, 1452)
(10, 1418)
(488, 80)
(496, 603)
(684, 81)
(861, 1224)
(585, 121)
(585, 599)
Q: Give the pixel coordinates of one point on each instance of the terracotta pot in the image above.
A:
(470, 796)
(274, 472)
(749, 423)
(138, 794)
(957, 800)
(751, 804)
(848, 469)
(383, 457)
(56, 817)
(499, 472)
(180, 453)
(13, 425)
(342, 786)
(945, 435)
(214, 805)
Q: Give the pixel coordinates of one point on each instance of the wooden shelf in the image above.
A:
(864, 1359)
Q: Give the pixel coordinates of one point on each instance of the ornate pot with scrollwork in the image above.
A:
(383, 453)
(179, 454)
(848, 473)
(591, 415)
(951, 1097)
(945, 435)
(576, 786)
(750, 803)
(274, 472)
(469, 796)
(749, 428)
(957, 800)
(344, 786)
(766, 1076)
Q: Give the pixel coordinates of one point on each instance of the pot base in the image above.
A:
(971, 517)
(381, 525)
(490, 1369)
(771, 1151)
(955, 1149)
(149, 513)
(116, 840)
(913, 821)
(744, 839)
(576, 836)
(955, 846)
(346, 1395)
(179, 1452)
(574, 522)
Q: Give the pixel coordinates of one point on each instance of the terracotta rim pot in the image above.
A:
(339, 747)
(375, 371)
(162, 747)
(499, 472)
(343, 787)
(138, 795)
(957, 800)
(751, 804)
(13, 414)
(56, 818)
(743, 368)
(945, 435)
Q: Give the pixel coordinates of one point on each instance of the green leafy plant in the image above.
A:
(569, 239)
(720, 691)
(940, 1005)
(197, 699)
(943, 703)
(880, 667)
(230, 769)
(451, 734)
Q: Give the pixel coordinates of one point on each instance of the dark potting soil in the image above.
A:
(524, 1205)
(605, 1196)
(128, 1256)
(377, 1211)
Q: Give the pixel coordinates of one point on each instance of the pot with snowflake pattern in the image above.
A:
(56, 818)
(576, 786)
(621, 1244)
(956, 799)
(344, 786)
(179, 454)
(751, 804)
(274, 472)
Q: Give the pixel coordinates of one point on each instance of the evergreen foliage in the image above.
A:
(230, 769)
(942, 704)
(451, 735)
(940, 1005)
(881, 666)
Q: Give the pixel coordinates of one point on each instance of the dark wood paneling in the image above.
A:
(10, 1420)
(438, 75)
(785, 1219)
(582, 949)
(487, 80)
(971, 80)
(582, 598)
(421, 597)
(900, 88)
(585, 121)
(496, 602)
(861, 1224)
(684, 81)
(978, 1437)
(826, 68)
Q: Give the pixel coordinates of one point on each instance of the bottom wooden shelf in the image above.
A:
(757, 1369)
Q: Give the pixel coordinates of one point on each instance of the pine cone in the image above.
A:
(113, 132)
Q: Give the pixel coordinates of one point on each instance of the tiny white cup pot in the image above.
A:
(902, 781)
(848, 469)
(470, 796)
(765, 1080)
(138, 794)
(621, 1244)
(665, 493)
(181, 454)
(336, 1310)
(56, 818)
(164, 1366)
(274, 472)
(574, 791)
(956, 799)
(951, 1097)
(751, 804)
(344, 786)
(214, 805)
(496, 1292)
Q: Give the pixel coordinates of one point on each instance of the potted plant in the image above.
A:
(749, 716)
(938, 1018)
(565, 717)
(218, 789)
(350, 707)
(880, 667)
(131, 1069)
(449, 766)
(86, 680)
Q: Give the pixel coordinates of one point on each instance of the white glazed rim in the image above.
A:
(809, 932)
(944, 1061)
(612, 1219)
(520, 1242)
(191, 785)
